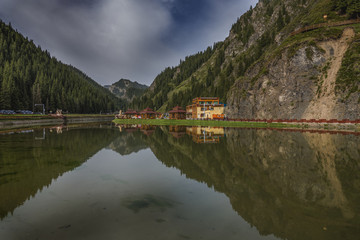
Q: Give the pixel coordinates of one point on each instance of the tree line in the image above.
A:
(29, 76)
(349, 7)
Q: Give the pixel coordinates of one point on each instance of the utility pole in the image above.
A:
(42, 107)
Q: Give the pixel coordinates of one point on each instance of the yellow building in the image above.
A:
(205, 108)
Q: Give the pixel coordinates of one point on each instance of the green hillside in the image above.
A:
(258, 37)
(29, 75)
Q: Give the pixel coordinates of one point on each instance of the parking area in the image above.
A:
(16, 112)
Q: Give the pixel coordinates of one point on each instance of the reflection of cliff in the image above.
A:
(129, 140)
(27, 165)
(292, 185)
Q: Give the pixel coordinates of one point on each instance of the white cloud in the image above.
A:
(113, 39)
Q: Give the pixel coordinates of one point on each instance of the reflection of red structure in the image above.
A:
(177, 131)
(148, 113)
(128, 127)
(206, 134)
(147, 129)
(177, 113)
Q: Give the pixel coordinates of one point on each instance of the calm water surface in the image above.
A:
(146, 182)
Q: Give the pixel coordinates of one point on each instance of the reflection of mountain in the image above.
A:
(292, 185)
(27, 165)
(129, 140)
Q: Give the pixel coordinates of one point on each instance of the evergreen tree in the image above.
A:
(30, 76)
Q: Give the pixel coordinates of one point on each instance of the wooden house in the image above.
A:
(131, 114)
(148, 113)
(177, 113)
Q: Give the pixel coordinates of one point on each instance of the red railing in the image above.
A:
(321, 25)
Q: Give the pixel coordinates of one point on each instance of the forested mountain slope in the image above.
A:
(29, 75)
(126, 89)
(262, 70)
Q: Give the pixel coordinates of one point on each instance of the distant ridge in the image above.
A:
(126, 90)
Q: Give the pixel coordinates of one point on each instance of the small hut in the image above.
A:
(177, 113)
(131, 114)
(148, 113)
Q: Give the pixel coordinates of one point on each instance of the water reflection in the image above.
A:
(294, 185)
(31, 159)
(206, 134)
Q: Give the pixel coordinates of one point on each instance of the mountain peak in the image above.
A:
(126, 89)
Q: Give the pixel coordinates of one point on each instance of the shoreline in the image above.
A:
(10, 122)
(308, 126)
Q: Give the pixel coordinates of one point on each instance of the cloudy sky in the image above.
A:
(133, 39)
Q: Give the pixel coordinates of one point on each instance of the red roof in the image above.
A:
(147, 111)
(177, 109)
(130, 111)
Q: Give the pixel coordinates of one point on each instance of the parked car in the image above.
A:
(23, 112)
(7, 112)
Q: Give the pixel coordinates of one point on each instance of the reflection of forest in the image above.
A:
(293, 185)
(31, 160)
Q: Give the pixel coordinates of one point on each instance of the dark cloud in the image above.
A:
(113, 39)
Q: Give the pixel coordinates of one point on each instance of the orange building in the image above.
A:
(205, 108)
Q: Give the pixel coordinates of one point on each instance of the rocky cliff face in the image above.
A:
(297, 76)
(298, 86)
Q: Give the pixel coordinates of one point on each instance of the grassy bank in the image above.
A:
(205, 123)
(5, 117)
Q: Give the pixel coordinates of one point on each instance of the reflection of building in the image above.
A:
(177, 113)
(128, 127)
(205, 108)
(148, 113)
(147, 129)
(177, 131)
(206, 134)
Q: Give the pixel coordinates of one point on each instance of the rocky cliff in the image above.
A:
(297, 85)
(297, 75)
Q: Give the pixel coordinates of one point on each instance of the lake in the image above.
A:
(174, 182)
